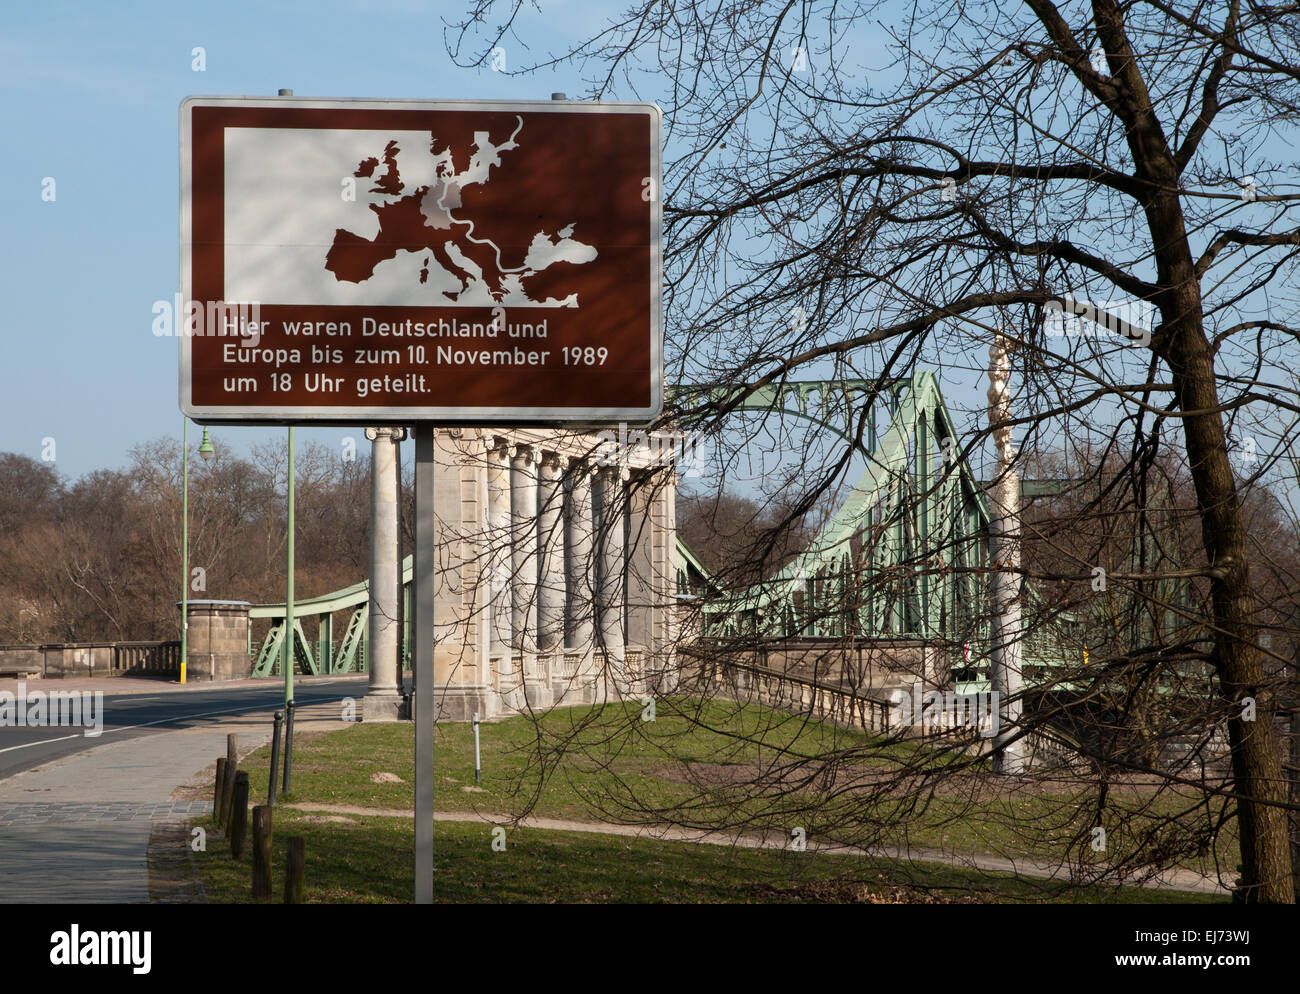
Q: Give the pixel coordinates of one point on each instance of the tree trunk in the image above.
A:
(1181, 343)
(1256, 754)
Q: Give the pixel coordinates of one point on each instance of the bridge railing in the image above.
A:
(67, 660)
(756, 684)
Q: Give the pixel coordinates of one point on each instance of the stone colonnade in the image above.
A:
(555, 575)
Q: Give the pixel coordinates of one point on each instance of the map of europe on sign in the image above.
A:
(348, 261)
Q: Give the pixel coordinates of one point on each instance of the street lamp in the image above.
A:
(206, 451)
(185, 544)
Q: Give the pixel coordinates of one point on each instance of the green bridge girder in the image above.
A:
(343, 655)
(915, 524)
(917, 517)
(845, 408)
(912, 504)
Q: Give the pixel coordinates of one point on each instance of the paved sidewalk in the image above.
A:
(141, 770)
(77, 829)
(45, 813)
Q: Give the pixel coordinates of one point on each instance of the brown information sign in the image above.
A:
(360, 260)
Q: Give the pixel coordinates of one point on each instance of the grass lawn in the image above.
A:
(611, 753)
(368, 860)
(615, 767)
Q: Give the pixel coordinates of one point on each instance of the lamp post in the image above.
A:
(205, 450)
(185, 542)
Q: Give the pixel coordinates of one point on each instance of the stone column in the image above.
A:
(640, 563)
(523, 532)
(580, 606)
(461, 687)
(550, 522)
(579, 531)
(612, 569)
(665, 625)
(383, 700)
(500, 624)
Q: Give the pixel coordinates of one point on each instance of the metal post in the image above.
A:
(185, 545)
(478, 766)
(275, 759)
(423, 708)
(288, 744)
(401, 598)
(287, 650)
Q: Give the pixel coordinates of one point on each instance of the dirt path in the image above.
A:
(1173, 879)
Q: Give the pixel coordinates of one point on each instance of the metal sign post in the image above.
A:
(397, 262)
(422, 698)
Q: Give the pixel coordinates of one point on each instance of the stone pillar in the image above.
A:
(665, 633)
(459, 490)
(550, 522)
(218, 641)
(579, 528)
(500, 625)
(383, 701)
(641, 595)
(610, 603)
(580, 579)
(523, 532)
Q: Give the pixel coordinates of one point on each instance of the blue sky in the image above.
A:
(90, 98)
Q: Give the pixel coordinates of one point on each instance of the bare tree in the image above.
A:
(100, 557)
(871, 188)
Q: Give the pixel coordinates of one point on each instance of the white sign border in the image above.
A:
(340, 416)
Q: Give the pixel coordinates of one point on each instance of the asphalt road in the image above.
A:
(142, 712)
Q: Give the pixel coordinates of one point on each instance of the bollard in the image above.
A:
(232, 767)
(477, 764)
(239, 816)
(262, 851)
(288, 744)
(218, 786)
(295, 871)
(275, 758)
(228, 794)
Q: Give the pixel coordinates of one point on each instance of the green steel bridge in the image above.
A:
(902, 557)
